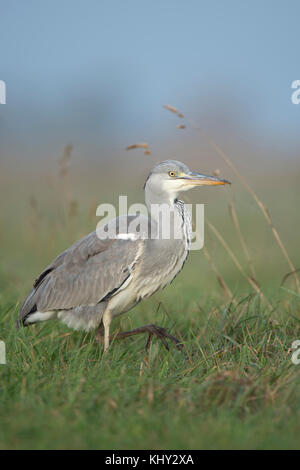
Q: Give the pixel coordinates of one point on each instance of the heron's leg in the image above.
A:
(106, 323)
(152, 330)
(100, 334)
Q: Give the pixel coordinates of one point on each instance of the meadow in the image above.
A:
(235, 306)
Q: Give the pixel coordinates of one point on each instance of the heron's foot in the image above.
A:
(152, 330)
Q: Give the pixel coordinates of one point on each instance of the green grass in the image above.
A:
(234, 387)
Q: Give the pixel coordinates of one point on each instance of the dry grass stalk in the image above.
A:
(251, 281)
(71, 205)
(262, 207)
(35, 217)
(287, 275)
(141, 145)
(64, 161)
(64, 171)
(73, 209)
(171, 108)
(242, 240)
(218, 353)
(92, 210)
(160, 304)
(226, 291)
(112, 404)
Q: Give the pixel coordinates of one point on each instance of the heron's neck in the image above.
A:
(173, 220)
(159, 198)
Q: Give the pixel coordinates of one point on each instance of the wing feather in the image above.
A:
(83, 275)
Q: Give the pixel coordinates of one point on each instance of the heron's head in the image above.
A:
(170, 177)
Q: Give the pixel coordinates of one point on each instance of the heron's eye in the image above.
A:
(172, 174)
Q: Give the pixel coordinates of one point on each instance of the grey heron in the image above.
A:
(98, 279)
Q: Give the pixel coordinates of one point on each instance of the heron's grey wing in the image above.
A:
(88, 272)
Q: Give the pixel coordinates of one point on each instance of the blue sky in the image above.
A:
(99, 71)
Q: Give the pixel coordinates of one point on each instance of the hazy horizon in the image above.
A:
(96, 74)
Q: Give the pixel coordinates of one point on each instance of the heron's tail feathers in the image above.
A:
(28, 308)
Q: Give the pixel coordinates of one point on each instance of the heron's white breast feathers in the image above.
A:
(127, 236)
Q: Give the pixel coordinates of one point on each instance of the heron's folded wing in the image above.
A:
(86, 273)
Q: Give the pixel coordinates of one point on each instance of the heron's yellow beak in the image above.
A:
(197, 179)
